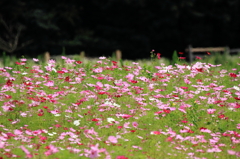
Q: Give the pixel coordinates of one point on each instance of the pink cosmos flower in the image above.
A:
(94, 152)
(49, 83)
(126, 116)
(15, 121)
(130, 76)
(51, 150)
(182, 110)
(156, 132)
(238, 126)
(17, 132)
(6, 108)
(2, 144)
(121, 157)
(28, 154)
(216, 149)
(137, 147)
(187, 81)
(169, 139)
(35, 60)
(112, 139)
(63, 57)
(126, 125)
(231, 152)
(211, 111)
(98, 70)
(135, 124)
(24, 60)
(202, 129)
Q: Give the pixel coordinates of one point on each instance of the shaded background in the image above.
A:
(99, 27)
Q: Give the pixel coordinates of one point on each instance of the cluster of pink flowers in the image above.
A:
(48, 110)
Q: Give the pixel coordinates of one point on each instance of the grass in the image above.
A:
(103, 109)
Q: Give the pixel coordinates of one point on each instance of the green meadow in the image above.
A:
(107, 109)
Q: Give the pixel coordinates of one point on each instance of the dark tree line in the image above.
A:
(99, 27)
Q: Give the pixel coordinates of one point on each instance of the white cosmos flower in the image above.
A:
(53, 69)
(76, 122)
(151, 98)
(110, 120)
(108, 103)
(51, 134)
(116, 105)
(111, 103)
(237, 88)
(57, 114)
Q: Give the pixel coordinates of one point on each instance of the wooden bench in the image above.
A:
(192, 50)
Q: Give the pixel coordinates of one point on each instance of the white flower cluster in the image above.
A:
(110, 103)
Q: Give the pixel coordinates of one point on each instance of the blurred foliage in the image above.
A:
(135, 27)
(175, 58)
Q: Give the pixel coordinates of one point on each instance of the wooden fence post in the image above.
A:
(118, 55)
(227, 50)
(190, 54)
(46, 56)
(82, 55)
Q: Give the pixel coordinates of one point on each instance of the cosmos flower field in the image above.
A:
(108, 111)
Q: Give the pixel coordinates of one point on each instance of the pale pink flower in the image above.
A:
(137, 147)
(54, 112)
(91, 131)
(191, 154)
(112, 139)
(202, 97)
(2, 144)
(23, 60)
(129, 76)
(69, 61)
(205, 130)
(6, 108)
(35, 60)
(28, 154)
(15, 121)
(102, 58)
(231, 152)
(216, 149)
(140, 137)
(238, 126)
(98, 70)
(17, 132)
(126, 125)
(94, 152)
(64, 57)
(51, 150)
(182, 110)
(49, 83)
